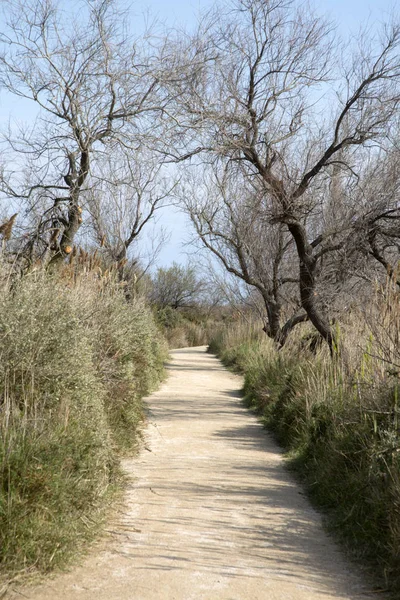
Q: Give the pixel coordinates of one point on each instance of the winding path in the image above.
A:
(210, 513)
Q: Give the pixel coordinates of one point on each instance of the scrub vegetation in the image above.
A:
(75, 361)
(338, 418)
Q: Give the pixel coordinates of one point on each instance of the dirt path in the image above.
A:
(211, 513)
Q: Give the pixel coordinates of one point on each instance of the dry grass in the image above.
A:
(339, 419)
(183, 329)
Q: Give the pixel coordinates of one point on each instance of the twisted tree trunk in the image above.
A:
(307, 272)
(75, 179)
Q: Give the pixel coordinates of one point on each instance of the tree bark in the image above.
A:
(65, 245)
(308, 266)
(273, 327)
(75, 178)
(289, 325)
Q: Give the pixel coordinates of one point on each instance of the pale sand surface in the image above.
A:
(210, 511)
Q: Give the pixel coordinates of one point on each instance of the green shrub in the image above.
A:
(131, 355)
(169, 317)
(75, 360)
(56, 458)
(340, 421)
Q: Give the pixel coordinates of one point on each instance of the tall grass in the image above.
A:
(75, 360)
(339, 419)
(130, 354)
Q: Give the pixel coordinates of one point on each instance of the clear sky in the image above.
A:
(348, 14)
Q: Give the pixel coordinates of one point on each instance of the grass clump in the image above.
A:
(75, 360)
(339, 419)
(131, 355)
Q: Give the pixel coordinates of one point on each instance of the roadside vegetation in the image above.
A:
(75, 361)
(185, 328)
(337, 418)
(186, 304)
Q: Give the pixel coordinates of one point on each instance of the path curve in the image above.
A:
(210, 513)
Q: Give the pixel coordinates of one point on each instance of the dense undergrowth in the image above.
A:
(339, 419)
(75, 360)
(187, 328)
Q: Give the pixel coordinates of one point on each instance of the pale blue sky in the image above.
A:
(348, 14)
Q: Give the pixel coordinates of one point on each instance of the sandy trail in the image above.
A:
(210, 512)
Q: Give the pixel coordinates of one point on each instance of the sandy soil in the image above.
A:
(210, 511)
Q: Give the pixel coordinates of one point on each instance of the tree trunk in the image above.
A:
(289, 325)
(307, 296)
(75, 179)
(273, 328)
(307, 283)
(65, 246)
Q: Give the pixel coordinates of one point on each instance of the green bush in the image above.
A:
(340, 422)
(75, 360)
(131, 354)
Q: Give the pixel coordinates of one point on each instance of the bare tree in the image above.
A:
(124, 198)
(176, 286)
(256, 103)
(377, 225)
(229, 221)
(93, 86)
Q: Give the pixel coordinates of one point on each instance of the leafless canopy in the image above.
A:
(125, 195)
(292, 106)
(94, 87)
(229, 221)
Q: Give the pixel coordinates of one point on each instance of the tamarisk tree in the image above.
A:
(228, 220)
(94, 87)
(279, 96)
(125, 196)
